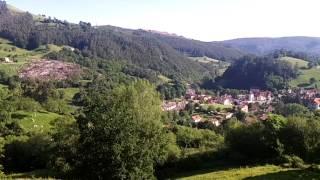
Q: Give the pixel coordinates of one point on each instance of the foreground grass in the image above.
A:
(267, 172)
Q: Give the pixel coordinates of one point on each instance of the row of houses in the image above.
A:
(241, 100)
(254, 96)
(308, 97)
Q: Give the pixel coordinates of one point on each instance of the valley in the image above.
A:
(84, 101)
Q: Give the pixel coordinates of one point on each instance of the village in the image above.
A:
(256, 103)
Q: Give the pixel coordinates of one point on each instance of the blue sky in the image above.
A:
(207, 20)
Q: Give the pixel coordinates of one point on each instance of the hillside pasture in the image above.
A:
(221, 66)
(204, 59)
(294, 61)
(305, 74)
(35, 121)
(267, 172)
(303, 80)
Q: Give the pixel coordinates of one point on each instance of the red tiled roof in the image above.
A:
(317, 101)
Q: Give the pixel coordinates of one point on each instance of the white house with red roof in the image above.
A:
(316, 104)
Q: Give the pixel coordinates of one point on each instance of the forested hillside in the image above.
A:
(136, 47)
(197, 48)
(256, 72)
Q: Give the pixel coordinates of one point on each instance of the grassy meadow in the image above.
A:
(35, 121)
(267, 172)
(303, 80)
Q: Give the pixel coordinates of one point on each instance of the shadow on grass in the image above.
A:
(304, 85)
(289, 175)
(19, 116)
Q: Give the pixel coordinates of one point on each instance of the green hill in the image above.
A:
(294, 61)
(305, 74)
(161, 54)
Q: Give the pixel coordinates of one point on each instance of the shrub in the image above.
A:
(27, 104)
(292, 161)
(26, 154)
(57, 106)
(197, 138)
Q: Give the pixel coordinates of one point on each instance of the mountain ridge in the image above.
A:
(264, 45)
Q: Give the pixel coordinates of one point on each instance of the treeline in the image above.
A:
(255, 72)
(276, 140)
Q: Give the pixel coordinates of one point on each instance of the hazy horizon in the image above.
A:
(206, 20)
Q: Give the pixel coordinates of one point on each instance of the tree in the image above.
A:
(65, 135)
(293, 109)
(312, 80)
(121, 135)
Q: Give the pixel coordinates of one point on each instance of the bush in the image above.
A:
(26, 154)
(57, 106)
(292, 162)
(27, 104)
(197, 138)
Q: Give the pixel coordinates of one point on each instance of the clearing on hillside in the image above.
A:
(305, 74)
(50, 70)
(294, 61)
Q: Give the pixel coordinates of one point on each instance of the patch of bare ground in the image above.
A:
(46, 70)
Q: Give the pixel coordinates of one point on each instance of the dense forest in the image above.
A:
(255, 72)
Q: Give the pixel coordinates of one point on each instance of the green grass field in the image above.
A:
(204, 59)
(35, 121)
(69, 93)
(267, 172)
(301, 63)
(21, 55)
(303, 80)
(221, 106)
(221, 65)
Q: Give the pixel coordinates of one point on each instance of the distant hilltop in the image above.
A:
(162, 33)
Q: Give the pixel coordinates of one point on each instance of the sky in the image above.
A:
(206, 20)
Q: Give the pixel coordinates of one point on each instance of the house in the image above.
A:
(229, 115)
(244, 108)
(169, 106)
(226, 102)
(316, 104)
(6, 60)
(216, 122)
(190, 94)
(196, 118)
(251, 97)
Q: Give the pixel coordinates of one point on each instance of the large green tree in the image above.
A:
(121, 135)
